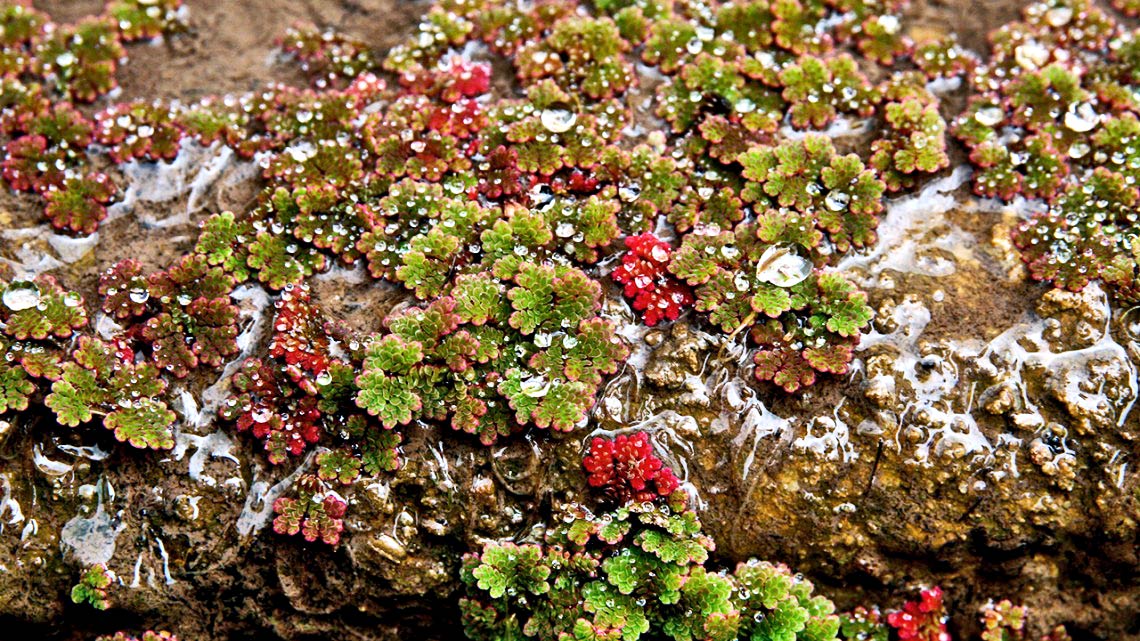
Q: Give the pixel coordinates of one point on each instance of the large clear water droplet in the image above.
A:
(781, 266)
(1079, 150)
(1081, 117)
(1059, 16)
(535, 387)
(1031, 55)
(21, 295)
(558, 118)
(139, 295)
(989, 115)
(837, 200)
(541, 196)
(890, 24)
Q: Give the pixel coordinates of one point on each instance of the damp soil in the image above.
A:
(861, 518)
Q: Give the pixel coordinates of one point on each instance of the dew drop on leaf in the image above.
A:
(1081, 118)
(989, 116)
(889, 23)
(837, 200)
(1031, 55)
(1079, 149)
(1059, 16)
(21, 295)
(535, 387)
(781, 266)
(629, 193)
(558, 118)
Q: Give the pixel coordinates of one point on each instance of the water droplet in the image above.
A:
(837, 200)
(629, 193)
(564, 229)
(71, 299)
(21, 295)
(558, 118)
(65, 59)
(659, 254)
(1059, 16)
(542, 196)
(1031, 55)
(324, 378)
(1081, 117)
(741, 284)
(1079, 150)
(989, 115)
(781, 266)
(694, 46)
(890, 24)
(418, 146)
(744, 106)
(535, 386)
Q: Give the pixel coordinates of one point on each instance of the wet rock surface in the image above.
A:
(985, 439)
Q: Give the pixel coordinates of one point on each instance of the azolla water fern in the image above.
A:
(626, 469)
(92, 587)
(643, 272)
(637, 572)
(922, 620)
(496, 355)
(1055, 119)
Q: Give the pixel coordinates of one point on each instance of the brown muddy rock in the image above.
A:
(676, 357)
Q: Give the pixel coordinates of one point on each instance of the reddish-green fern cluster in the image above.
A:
(1056, 118)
